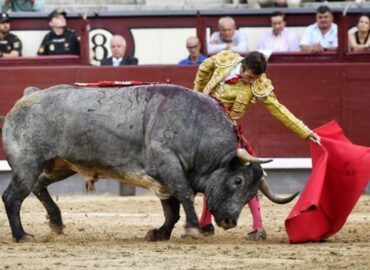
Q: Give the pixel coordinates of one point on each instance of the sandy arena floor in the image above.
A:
(107, 232)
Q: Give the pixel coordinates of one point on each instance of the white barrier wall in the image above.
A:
(31, 41)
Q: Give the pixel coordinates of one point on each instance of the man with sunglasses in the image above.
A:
(195, 57)
(239, 82)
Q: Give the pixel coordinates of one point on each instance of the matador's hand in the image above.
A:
(314, 137)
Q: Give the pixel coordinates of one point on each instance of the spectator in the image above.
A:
(227, 38)
(119, 56)
(322, 35)
(10, 45)
(359, 40)
(23, 5)
(195, 57)
(60, 40)
(280, 39)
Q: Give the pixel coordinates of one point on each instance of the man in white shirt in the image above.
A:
(322, 35)
(228, 38)
(280, 39)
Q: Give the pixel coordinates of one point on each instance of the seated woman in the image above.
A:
(360, 39)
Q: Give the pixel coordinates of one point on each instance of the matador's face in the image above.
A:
(248, 75)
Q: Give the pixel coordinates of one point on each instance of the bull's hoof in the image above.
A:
(26, 238)
(156, 235)
(256, 235)
(57, 228)
(192, 233)
(207, 230)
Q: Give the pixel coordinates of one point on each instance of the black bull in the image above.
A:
(165, 138)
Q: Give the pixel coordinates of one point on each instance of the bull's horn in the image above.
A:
(246, 157)
(266, 190)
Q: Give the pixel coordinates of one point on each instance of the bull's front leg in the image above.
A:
(166, 168)
(191, 225)
(171, 210)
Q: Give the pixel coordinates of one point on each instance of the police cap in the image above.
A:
(57, 12)
(4, 17)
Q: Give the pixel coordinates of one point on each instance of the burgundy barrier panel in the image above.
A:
(314, 92)
(316, 88)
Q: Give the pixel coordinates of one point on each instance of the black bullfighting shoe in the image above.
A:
(208, 230)
(256, 235)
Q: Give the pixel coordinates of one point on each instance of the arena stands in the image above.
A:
(165, 31)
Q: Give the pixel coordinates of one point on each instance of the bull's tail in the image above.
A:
(30, 90)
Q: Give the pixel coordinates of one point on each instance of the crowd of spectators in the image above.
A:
(320, 36)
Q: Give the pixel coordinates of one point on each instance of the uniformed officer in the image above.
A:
(10, 45)
(60, 40)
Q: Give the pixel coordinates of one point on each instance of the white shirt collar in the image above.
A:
(234, 72)
(116, 61)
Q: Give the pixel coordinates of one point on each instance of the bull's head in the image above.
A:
(234, 184)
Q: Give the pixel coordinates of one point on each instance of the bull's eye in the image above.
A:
(238, 181)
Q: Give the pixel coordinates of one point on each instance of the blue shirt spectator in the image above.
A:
(195, 57)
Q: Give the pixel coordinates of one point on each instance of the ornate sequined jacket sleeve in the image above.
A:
(281, 113)
(204, 74)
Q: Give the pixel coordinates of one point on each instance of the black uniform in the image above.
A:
(10, 43)
(53, 44)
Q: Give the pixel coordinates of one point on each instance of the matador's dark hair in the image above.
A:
(256, 62)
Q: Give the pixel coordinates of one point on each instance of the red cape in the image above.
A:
(340, 174)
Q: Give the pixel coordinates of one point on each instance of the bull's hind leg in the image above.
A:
(171, 209)
(41, 192)
(18, 189)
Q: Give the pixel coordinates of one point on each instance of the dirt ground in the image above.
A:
(108, 232)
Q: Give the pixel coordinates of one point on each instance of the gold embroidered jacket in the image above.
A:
(239, 97)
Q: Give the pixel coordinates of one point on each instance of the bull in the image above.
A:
(165, 138)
